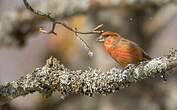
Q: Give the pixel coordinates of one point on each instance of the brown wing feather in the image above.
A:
(126, 52)
(134, 45)
(126, 55)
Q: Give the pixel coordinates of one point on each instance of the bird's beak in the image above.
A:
(100, 39)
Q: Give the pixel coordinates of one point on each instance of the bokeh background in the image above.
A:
(150, 23)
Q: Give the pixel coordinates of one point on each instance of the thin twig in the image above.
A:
(54, 20)
(90, 53)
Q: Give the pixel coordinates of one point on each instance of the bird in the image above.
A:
(122, 50)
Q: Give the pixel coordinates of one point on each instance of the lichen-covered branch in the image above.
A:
(55, 77)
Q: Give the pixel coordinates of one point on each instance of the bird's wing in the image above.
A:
(125, 42)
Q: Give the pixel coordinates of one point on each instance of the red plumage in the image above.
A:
(123, 50)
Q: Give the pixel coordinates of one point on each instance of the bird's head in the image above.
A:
(108, 35)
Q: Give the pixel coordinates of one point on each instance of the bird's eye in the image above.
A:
(105, 36)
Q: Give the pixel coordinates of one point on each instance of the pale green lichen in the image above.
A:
(55, 77)
(157, 65)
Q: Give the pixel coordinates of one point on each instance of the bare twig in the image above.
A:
(90, 53)
(55, 77)
(54, 20)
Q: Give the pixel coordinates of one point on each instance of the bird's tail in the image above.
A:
(146, 56)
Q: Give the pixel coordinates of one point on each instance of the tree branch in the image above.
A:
(55, 77)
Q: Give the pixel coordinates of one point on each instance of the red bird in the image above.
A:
(122, 50)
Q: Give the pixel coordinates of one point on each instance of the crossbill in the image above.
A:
(122, 50)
